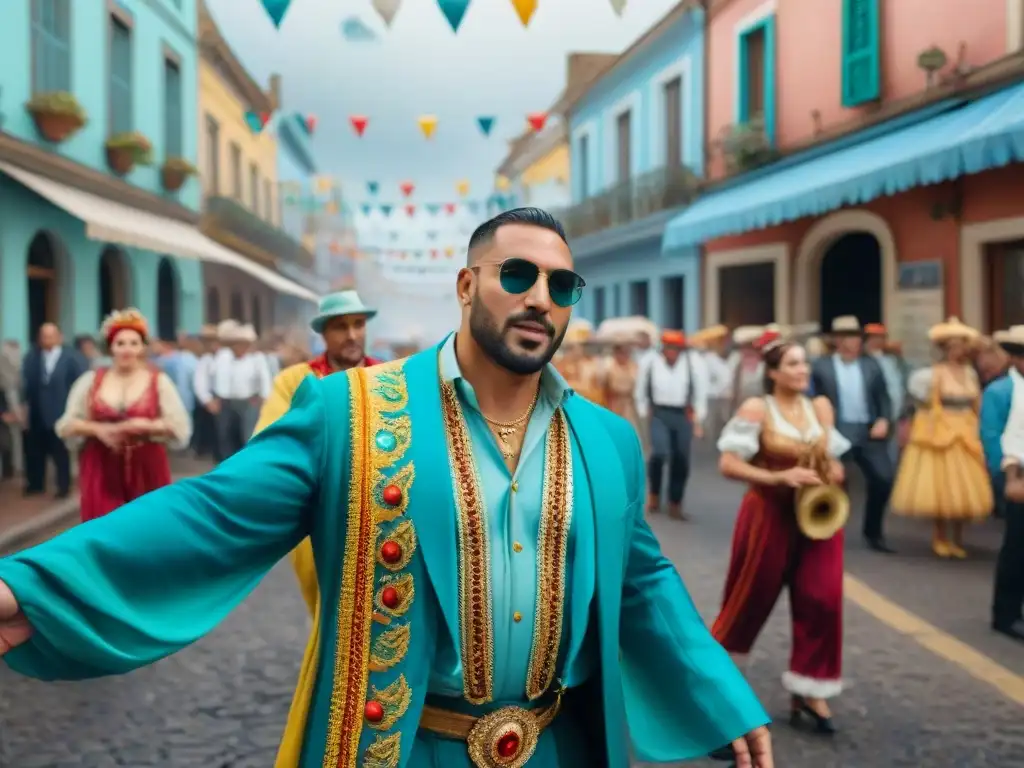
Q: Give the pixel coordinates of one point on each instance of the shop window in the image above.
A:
(121, 102)
(862, 82)
(639, 299)
(757, 75)
(254, 188)
(236, 171)
(212, 175)
(673, 98)
(51, 46)
(173, 127)
(624, 134)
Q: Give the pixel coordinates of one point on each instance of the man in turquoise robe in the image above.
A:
(461, 546)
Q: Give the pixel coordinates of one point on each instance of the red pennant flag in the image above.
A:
(449, 208)
(433, 254)
(359, 122)
(311, 124)
(537, 120)
(264, 118)
(411, 210)
(407, 188)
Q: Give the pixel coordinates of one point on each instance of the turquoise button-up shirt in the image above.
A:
(513, 523)
(853, 397)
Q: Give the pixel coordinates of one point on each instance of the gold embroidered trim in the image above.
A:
(394, 700)
(389, 648)
(403, 584)
(553, 545)
(344, 724)
(384, 752)
(404, 535)
(476, 629)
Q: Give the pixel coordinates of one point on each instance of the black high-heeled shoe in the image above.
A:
(822, 725)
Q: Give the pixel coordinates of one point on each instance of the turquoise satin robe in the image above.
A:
(156, 575)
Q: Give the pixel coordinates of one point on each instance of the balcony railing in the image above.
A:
(633, 200)
(235, 226)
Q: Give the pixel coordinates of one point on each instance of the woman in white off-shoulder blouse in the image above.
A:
(123, 417)
(772, 443)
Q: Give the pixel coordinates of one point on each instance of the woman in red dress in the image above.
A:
(771, 443)
(123, 418)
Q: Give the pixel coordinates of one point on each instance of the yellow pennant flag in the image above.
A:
(525, 10)
(331, 207)
(323, 184)
(502, 183)
(462, 187)
(428, 124)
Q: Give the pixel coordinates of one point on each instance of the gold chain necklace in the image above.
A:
(507, 429)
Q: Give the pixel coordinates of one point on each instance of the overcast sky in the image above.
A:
(491, 67)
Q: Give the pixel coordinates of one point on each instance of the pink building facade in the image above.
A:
(865, 158)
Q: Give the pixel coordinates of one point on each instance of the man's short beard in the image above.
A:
(491, 339)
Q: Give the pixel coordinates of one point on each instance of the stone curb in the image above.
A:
(56, 515)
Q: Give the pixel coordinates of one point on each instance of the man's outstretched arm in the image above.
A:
(152, 577)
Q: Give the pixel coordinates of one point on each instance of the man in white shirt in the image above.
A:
(235, 387)
(672, 389)
(721, 378)
(204, 435)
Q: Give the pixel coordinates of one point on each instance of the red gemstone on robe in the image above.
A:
(392, 495)
(374, 711)
(390, 597)
(391, 551)
(508, 745)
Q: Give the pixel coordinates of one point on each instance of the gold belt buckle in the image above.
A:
(508, 737)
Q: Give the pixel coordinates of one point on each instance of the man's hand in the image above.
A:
(698, 431)
(213, 406)
(880, 429)
(14, 627)
(754, 750)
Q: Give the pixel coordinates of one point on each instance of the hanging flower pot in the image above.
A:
(175, 172)
(57, 115)
(127, 150)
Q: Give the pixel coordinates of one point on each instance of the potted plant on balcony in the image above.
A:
(126, 150)
(175, 172)
(746, 146)
(57, 115)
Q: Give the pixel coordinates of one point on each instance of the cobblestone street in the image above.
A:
(222, 703)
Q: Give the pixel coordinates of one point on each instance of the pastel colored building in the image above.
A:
(636, 137)
(238, 160)
(864, 160)
(537, 168)
(86, 226)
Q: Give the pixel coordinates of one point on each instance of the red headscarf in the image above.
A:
(322, 367)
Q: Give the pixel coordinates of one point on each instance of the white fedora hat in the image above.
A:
(747, 334)
(1012, 337)
(846, 324)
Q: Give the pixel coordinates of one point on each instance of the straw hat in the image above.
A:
(747, 334)
(709, 335)
(951, 329)
(247, 333)
(578, 332)
(227, 331)
(1012, 339)
(846, 325)
(620, 330)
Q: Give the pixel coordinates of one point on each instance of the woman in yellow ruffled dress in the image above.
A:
(577, 365)
(942, 474)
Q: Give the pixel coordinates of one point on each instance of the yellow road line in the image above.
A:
(972, 661)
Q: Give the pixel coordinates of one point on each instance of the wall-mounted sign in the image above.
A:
(920, 304)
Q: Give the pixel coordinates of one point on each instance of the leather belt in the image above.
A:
(506, 738)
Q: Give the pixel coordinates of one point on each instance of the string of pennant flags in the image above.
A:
(535, 121)
(454, 11)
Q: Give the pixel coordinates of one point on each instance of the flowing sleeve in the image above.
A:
(76, 409)
(919, 385)
(173, 413)
(684, 696)
(157, 574)
(741, 437)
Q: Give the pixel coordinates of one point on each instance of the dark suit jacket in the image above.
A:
(824, 384)
(46, 398)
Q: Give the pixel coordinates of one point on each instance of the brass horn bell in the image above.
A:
(822, 511)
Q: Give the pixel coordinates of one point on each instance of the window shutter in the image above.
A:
(861, 52)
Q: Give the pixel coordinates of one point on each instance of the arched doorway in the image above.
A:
(237, 307)
(212, 305)
(42, 272)
(256, 315)
(113, 281)
(167, 290)
(851, 279)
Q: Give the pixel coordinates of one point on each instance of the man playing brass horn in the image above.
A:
(771, 443)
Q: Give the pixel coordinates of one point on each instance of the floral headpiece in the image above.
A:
(768, 341)
(124, 320)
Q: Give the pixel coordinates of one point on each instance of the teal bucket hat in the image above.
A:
(337, 305)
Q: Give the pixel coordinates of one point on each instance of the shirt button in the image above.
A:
(517, 547)
(517, 617)
(515, 487)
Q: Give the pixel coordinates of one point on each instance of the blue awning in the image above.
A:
(987, 133)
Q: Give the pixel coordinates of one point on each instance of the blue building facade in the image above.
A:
(636, 142)
(78, 240)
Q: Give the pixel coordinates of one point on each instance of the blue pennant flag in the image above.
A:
(276, 9)
(386, 209)
(454, 11)
(486, 124)
(252, 119)
(473, 206)
(367, 208)
(372, 187)
(433, 209)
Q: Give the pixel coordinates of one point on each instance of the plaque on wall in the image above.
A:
(920, 304)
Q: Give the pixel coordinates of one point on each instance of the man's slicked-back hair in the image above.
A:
(532, 217)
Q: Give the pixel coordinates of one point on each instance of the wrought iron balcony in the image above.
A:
(235, 226)
(633, 200)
